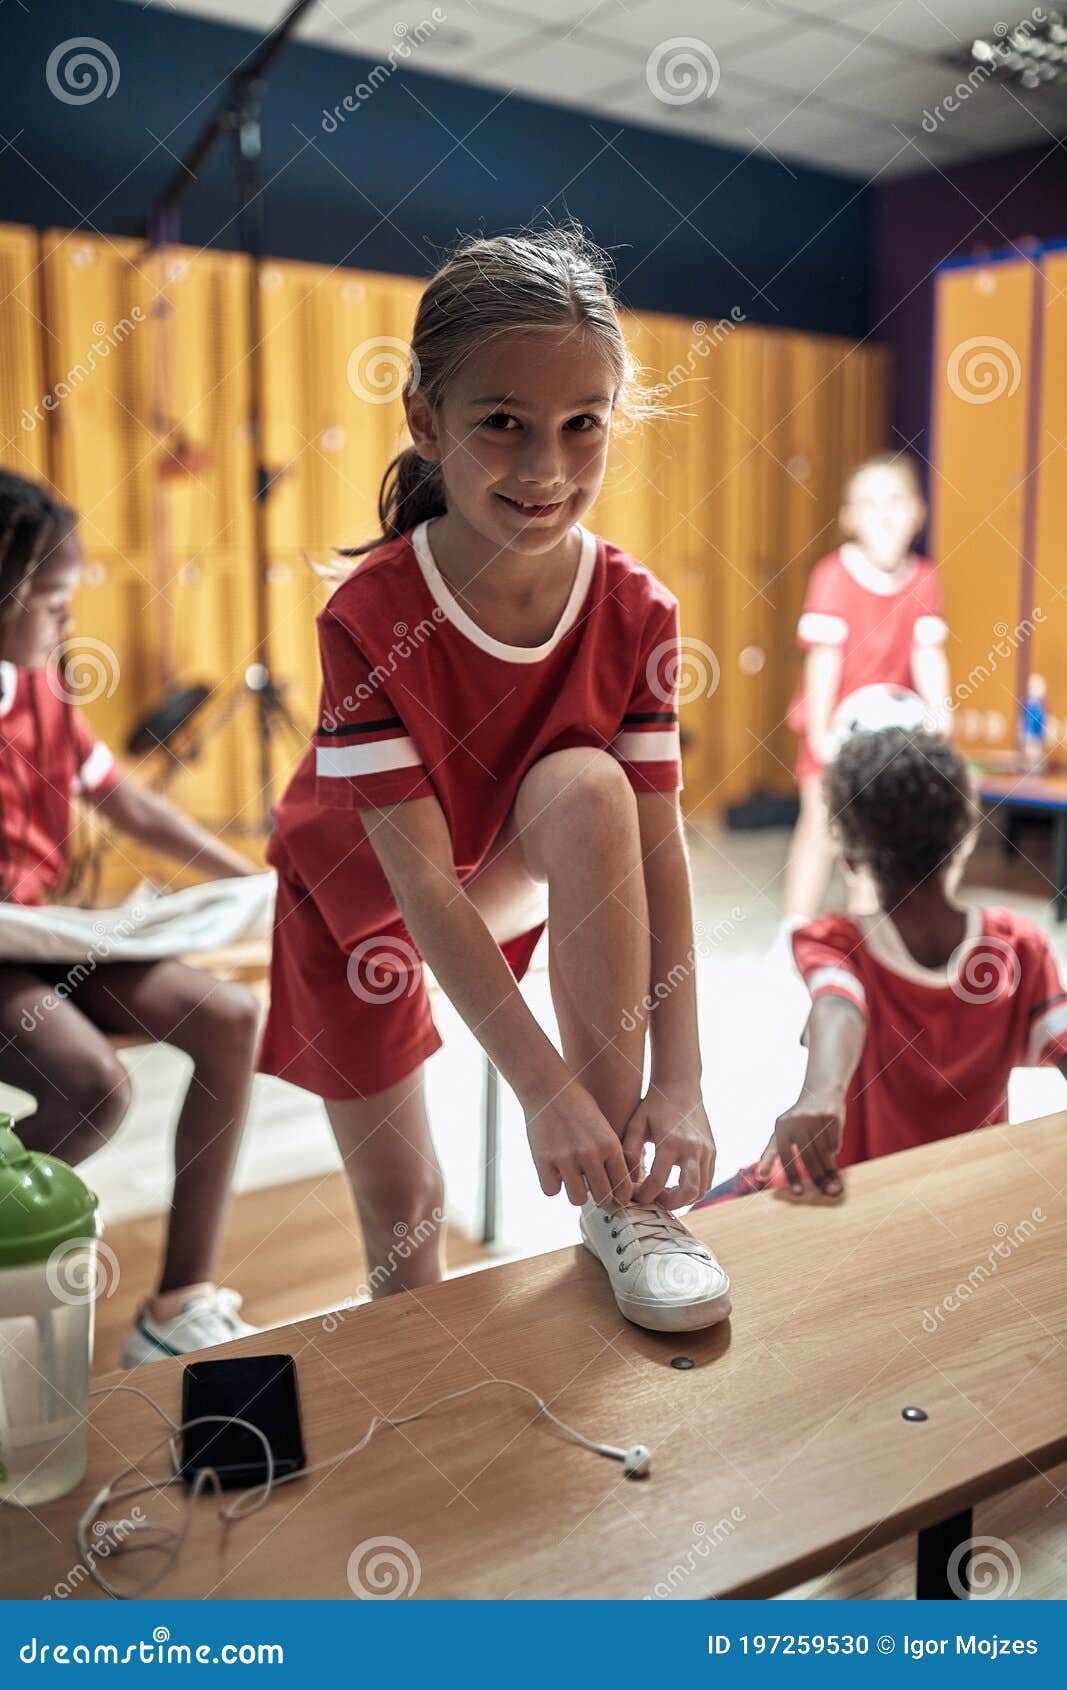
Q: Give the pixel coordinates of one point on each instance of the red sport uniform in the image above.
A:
(941, 1042)
(418, 701)
(48, 753)
(877, 618)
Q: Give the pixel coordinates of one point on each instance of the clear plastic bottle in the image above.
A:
(49, 1223)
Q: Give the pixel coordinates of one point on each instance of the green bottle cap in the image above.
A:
(42, 1203)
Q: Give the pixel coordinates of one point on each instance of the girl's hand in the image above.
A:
(807, 1136)
(574, 1146)
(675, 1124)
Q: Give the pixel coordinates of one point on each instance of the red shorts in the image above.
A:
(349, 1024)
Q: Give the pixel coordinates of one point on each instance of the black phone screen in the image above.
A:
(260, 1389)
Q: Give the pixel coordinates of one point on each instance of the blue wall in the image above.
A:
(390, 189)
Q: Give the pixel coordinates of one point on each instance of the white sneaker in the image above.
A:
(663, 1278)
(208, 1318)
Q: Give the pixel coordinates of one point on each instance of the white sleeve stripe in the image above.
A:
(342, 762)
(648, 747)
(930, 630)
(816, 627)
(840, 980)
(96, 768)
(1045, 1029)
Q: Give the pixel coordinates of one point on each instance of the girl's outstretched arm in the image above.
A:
(929, 668)
(671, 1116)
(809, 1134)
(822, 673)
(156, 822)
(573, 1144)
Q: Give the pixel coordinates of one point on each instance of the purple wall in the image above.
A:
(922, 220)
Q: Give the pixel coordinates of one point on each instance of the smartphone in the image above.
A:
(260, 1389)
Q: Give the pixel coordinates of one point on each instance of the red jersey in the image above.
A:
(876, 618)
(417, 700)
(47, 752)
(941, 1042)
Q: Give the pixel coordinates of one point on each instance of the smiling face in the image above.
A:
(522, 435)
(883, 513)
(38, 617)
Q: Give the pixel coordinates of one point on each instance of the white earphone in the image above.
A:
(95, 1536)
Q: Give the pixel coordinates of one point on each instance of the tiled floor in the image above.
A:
(752, 1009)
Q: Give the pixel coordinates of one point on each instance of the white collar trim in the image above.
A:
(880, 581)
(884, 945)
(446, 599)
(9, 681)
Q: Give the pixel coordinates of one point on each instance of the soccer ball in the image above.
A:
(870, 709)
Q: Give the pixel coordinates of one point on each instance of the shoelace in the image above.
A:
(656, 1232)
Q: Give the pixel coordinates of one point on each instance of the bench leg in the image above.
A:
(490, 1151)
(934, 1553)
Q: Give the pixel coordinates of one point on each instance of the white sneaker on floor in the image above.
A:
(663, 1278)
(209, 1317)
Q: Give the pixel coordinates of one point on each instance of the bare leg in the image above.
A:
(51, 1050)
(396, 1183)
(216, 1023)
(576, 817)
(811, 854)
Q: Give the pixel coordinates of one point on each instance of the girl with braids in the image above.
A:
(48, 753)
(920, 1011)
(498, 718)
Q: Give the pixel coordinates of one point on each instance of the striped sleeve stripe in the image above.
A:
(930, 630)
(1048, 1029)
(839, 980)
(816, 627)
(647, 747)
(380, 726)
(638, 717)
(96, 768)
(344, 762)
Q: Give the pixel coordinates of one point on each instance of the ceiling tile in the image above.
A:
(407, 29)
(719, 23)
(932, 26)
(810, 59)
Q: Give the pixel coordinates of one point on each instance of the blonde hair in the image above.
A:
(905, 462)
(489, 288)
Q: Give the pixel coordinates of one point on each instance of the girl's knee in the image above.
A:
(223, 1025)
(396, 1204)
(85, 1111)
(587, 787)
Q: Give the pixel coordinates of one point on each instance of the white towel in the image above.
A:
(152, 924)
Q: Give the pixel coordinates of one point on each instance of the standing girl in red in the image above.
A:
(498, 718)
(873, 614)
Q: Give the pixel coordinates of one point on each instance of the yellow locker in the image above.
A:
(982, 379)
(23, 412)
(1047, 655)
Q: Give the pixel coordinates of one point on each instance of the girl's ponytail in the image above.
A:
(412, 491)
